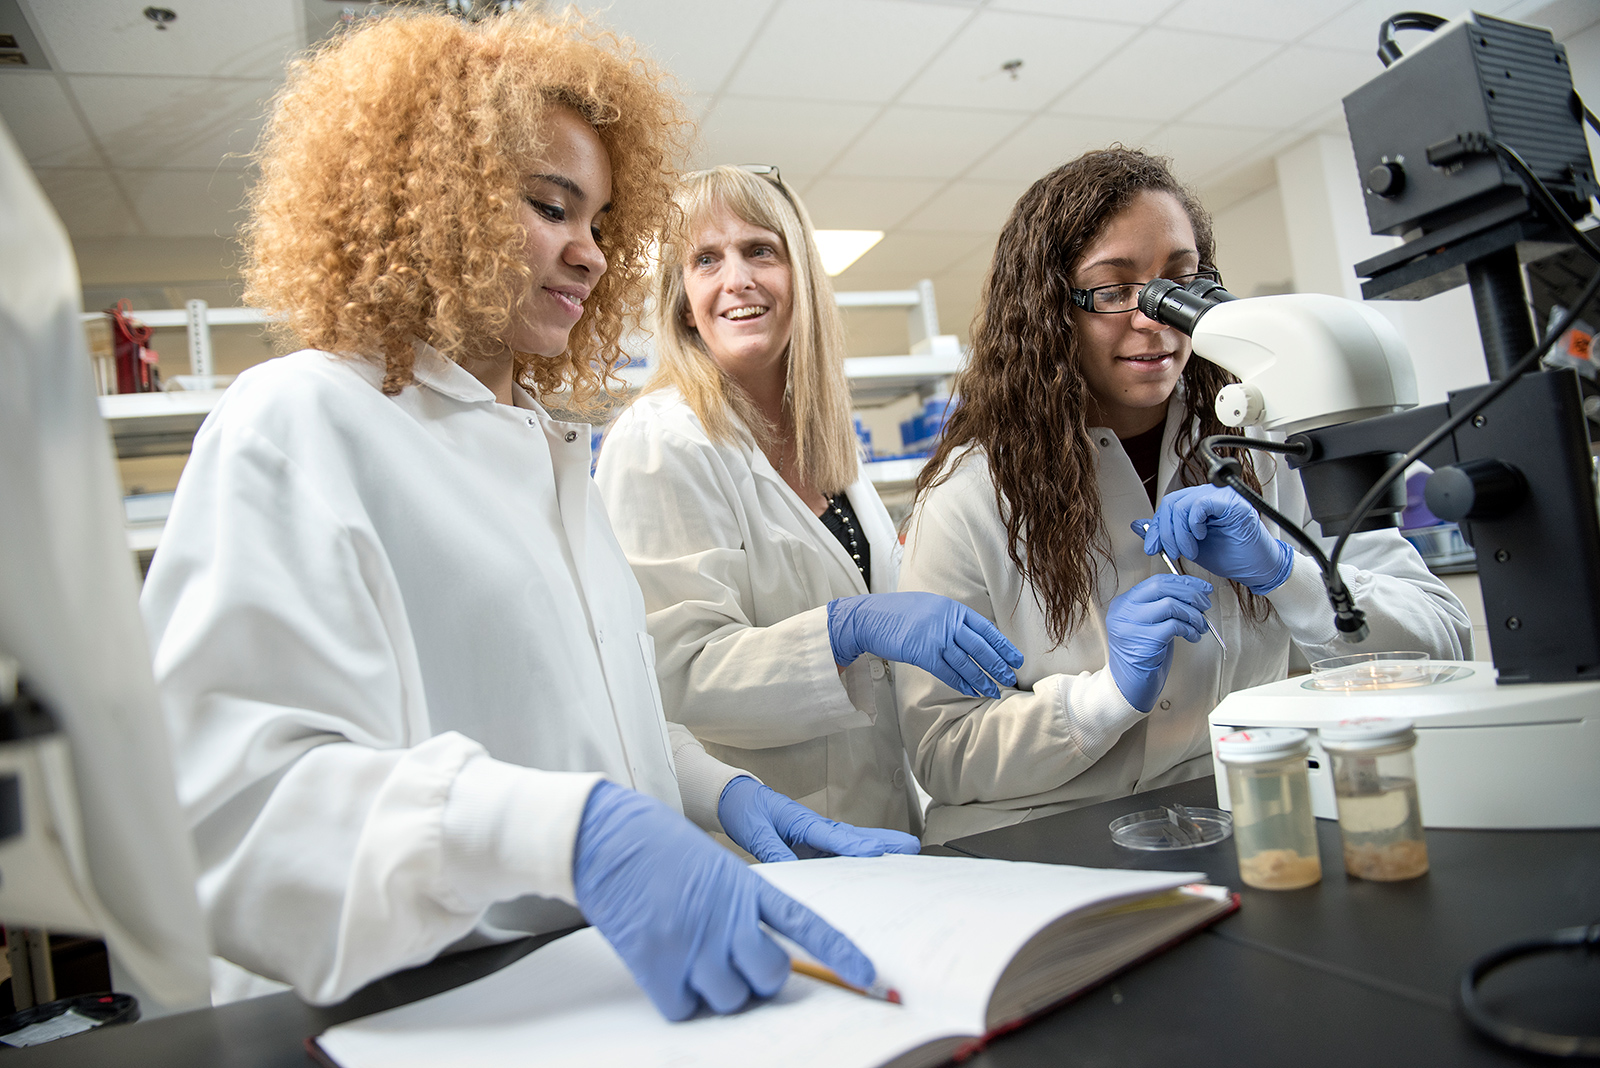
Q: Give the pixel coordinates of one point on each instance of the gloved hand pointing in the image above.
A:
(766, 825)
(1217, 529)
(942, 637)
(685, 915)
(1140, 627)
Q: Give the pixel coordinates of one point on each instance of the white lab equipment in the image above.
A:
(101, 847)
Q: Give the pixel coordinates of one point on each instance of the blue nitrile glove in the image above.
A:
(766, 824)
(685, 914)
(942, 637)
(1217, 529)
(1140, 626)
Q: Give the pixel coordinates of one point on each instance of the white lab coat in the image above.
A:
(737, 573)
(1065, 736)
(396, 645)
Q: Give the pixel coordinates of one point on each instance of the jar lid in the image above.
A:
(1367, 732)
(1262, 745)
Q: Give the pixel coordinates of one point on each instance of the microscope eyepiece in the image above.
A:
(1181, 307)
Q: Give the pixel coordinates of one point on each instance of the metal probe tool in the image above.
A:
(1174, 569)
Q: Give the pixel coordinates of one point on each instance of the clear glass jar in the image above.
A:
(1375, 784)
(1273, 826)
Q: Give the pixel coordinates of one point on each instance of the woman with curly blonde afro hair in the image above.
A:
(403, 659)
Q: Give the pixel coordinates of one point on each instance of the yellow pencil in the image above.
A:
(878, 989)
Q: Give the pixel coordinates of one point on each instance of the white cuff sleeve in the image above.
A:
(701, 778)
(510, 831)
(1092, 710)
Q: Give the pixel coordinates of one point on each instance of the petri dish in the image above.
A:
(1164, 829)
(1372, 671)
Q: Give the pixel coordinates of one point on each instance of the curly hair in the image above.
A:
(1025, 401)
(816, 393)
(390, 175)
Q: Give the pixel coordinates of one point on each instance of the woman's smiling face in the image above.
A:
(739, 285)
(564, 200)
(1131, 362)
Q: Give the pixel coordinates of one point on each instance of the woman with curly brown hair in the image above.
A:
(402, 656)
(1080, 419)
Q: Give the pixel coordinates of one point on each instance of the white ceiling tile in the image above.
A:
(186, 203)
(800, 136)
(230, 38)
(87, 202)
(911, 142)
(979, 206)
(1051, 140)
(1137, 12)
(1198, 150)
(1161, 74)
(1055, 52)
(697, 40)
(174, 122)
(1287, 89)
(864, 50)
(1356, 28)
(41, 118)
(867, 203)
(1270, 20)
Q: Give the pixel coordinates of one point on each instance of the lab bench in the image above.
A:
(1343, 972)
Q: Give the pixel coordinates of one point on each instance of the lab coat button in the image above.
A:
(898, 778)
(1165, 705)
(572, 435)
(532, 421)
(1105, 443)
(877, 671)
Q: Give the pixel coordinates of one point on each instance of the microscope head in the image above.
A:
(1303, 360)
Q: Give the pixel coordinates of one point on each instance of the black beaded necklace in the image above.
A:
(840, 519)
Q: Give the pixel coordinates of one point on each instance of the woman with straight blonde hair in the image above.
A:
(766, 558)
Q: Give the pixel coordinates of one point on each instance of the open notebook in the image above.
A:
(971, 945)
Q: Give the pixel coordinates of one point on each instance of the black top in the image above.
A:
(840, 519)
(1145, 452)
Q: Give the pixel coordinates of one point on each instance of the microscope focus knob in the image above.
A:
(1387, 179)
(1240, 404)
(1475, 489)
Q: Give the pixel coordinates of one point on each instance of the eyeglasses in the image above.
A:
(769, 171)
(1124, 297)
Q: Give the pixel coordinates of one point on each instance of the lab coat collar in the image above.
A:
(442, 375)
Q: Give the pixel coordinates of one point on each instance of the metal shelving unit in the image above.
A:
(157, 424)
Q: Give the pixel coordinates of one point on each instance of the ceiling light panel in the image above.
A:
(40, 117)
(1048, 141)
(1054, 52)
(862, 50)
(1161, 75)
(925, 142)
(699, 41)
(237, 40)
(838, 249)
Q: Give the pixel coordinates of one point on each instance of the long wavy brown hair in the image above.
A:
(1025, 402)
(391, 170)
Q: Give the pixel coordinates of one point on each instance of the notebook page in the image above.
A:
(941, 930)
(573, 1004)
